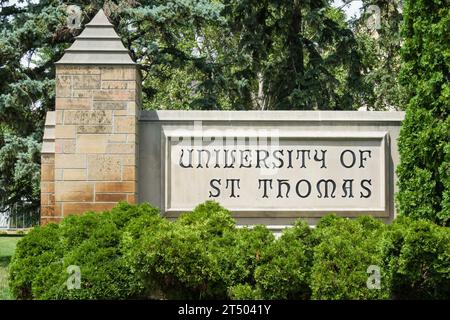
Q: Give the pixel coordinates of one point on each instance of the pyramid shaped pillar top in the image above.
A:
(98, 44)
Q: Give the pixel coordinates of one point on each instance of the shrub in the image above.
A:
(40, 248)
(285, 270)
(91, 242)
(343, 252)
(178, 260)
(240, 253)
(416, 255)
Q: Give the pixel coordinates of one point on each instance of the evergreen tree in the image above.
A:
(424, 143)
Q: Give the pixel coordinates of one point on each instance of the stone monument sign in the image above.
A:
(268, 167)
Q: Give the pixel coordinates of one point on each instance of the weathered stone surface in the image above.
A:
(94, 129)
(114, 95)
(129, 173)
(59, 114)
(47, 172)
(81, 93)
(110, 105)
(65, 132)
(114, 138)
(74, 191)
(74, 174)
(104, 167)
(58, 174)
(88, 117)
(80, 207)
(123, 85)
(110, 197)
(70, 161)
(75, 70)
(125, 124)
(48, 158)
(47, 187)
(63, 86)
(68, 146)
(91, 143)
(120, 148)
(131, 198)
(114, 187)
(86, 81)
(118, 73)
(73, 104)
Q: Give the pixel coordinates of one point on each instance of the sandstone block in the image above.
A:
(120, 148)
(110, 105)
(95, 117)
(118, 73)
(74, 174)
(47, 172)
(70, 161)
(110, 197)
(63, 86)
(91, 143)
(73, 70)
(129, 173)
(73, 103)
(65, 132)
(115, 187)
(121, 85)
(77, 208)
(125, 124)
(74, 191)
(104, 167)
(86, 82)
(94, 129)
(114, 95)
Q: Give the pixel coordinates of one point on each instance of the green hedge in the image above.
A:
(133, 252)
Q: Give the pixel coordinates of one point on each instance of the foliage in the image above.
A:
(285, 269)
(39, 269)
(424, 145)
(416, 254)
(377, 32)
(343, 253)
(133, 252)
(40, 248)
(19, 172)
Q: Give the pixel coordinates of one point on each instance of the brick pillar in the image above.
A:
(97, 101)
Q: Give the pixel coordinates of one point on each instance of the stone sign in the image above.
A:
(313, 173)
(268, 167)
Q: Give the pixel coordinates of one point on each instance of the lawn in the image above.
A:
(7, 246)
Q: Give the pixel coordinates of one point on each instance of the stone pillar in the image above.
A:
(97, 103)
(48, 171)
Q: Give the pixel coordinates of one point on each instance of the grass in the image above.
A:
(7, 246)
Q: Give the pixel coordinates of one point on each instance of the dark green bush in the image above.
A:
(343, 252)
(416, 255)
(133, 252)
(240, 253)
(40, 248)
(91, 242)
(282, 270)
(178, 260)
(285, 270)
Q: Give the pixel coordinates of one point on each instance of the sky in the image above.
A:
(351, 9)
